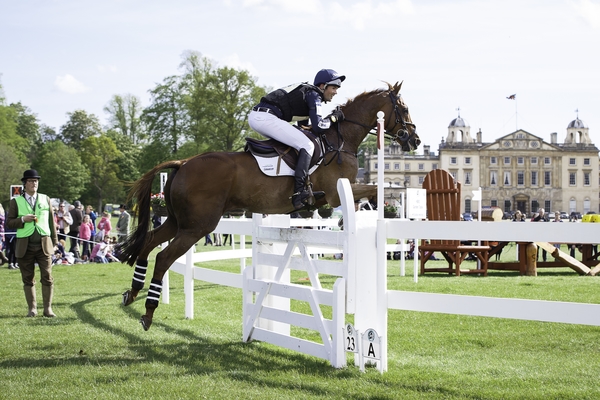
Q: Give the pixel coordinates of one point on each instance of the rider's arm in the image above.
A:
(319, 124)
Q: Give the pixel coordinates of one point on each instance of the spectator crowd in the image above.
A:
(83, 235)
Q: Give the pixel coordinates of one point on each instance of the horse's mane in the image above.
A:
(367, 94)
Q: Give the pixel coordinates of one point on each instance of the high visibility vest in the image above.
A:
(42, 211)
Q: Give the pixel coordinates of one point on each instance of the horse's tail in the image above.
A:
(141, 191)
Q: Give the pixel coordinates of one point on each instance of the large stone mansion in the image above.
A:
(518, 171)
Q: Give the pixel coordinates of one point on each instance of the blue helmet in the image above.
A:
(329, 77)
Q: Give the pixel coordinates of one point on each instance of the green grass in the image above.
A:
(96, 349)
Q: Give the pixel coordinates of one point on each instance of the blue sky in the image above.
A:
(57, 56)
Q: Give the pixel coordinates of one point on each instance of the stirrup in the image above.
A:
(304, 199)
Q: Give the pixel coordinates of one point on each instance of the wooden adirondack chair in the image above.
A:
(443, 204)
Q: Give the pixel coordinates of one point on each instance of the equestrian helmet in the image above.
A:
(329, 77)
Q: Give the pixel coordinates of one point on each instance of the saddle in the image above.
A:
(271, 148)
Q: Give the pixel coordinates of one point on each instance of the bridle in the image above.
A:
(400, 135)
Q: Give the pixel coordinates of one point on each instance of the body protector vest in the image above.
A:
(42, 212)
(291, 100)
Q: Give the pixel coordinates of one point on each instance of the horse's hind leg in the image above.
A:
(182, 242)
(160, 235)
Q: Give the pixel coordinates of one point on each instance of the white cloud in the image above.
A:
(366, 13)
(589, 11)
(107, 68)
(358, 14)
(234, 61)
(69, 84)
(304, 6)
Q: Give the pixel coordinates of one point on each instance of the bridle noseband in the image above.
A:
(401, 135)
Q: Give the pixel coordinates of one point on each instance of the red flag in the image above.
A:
(512, 97)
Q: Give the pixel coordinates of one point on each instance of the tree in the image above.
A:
(28, 128)
(101, 155)
(128, 157)
(79, 127)
(63, 174)
(125, 116)
(166, 118)
(48, 133)
(369, 145)
(8, 132)
(11, 171)
(218, 101)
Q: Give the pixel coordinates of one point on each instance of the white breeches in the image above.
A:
(272, 127)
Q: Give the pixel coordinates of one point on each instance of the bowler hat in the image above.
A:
(30, 174)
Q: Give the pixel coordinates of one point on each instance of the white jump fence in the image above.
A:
(279, 246)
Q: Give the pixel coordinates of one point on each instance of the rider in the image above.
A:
(298, 102)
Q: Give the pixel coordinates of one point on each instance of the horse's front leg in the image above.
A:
(160, 235)
(361, 191)
(180, 244)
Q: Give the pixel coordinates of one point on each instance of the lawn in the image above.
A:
(96, 349)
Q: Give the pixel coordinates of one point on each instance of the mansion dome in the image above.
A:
(458, 123)
(577, 123)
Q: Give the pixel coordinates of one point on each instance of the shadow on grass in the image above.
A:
(195, 353)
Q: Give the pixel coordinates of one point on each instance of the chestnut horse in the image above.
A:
(202, 188)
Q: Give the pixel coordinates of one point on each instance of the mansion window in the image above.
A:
(547, 205)
(586, 206)
(468, 160)
(467, 177)
(421, 179)
(571, 161)
(421, 166)
(586, 161)
(520, 178)
(506, 160)
(434, 166)
(506, 179)
(534, 160)
(453, 173)
(572, 180)
(586, 179)
(506, 205)
(467, 205)
(493, 178)
(520, 160)
(407, 167)
(493, 160)
(396, 166)
(547, 178)
(494, 203)
(534, 178)
(453, 160)
(387, 166)
(546, 160)
(534, 205)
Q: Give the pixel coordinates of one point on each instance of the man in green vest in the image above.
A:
(31, 215)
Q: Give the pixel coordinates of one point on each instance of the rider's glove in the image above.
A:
(337, 115)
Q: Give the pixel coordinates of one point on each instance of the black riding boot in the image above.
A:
(303, 196)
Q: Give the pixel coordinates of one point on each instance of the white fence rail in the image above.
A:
(362, 282)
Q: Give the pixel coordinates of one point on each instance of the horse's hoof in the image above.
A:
(128, 298)
(146, 322)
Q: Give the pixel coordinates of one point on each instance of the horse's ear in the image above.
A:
(397, 87)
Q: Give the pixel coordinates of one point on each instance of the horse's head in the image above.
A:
(398, 124)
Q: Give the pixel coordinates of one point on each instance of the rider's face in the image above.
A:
(329, 92)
